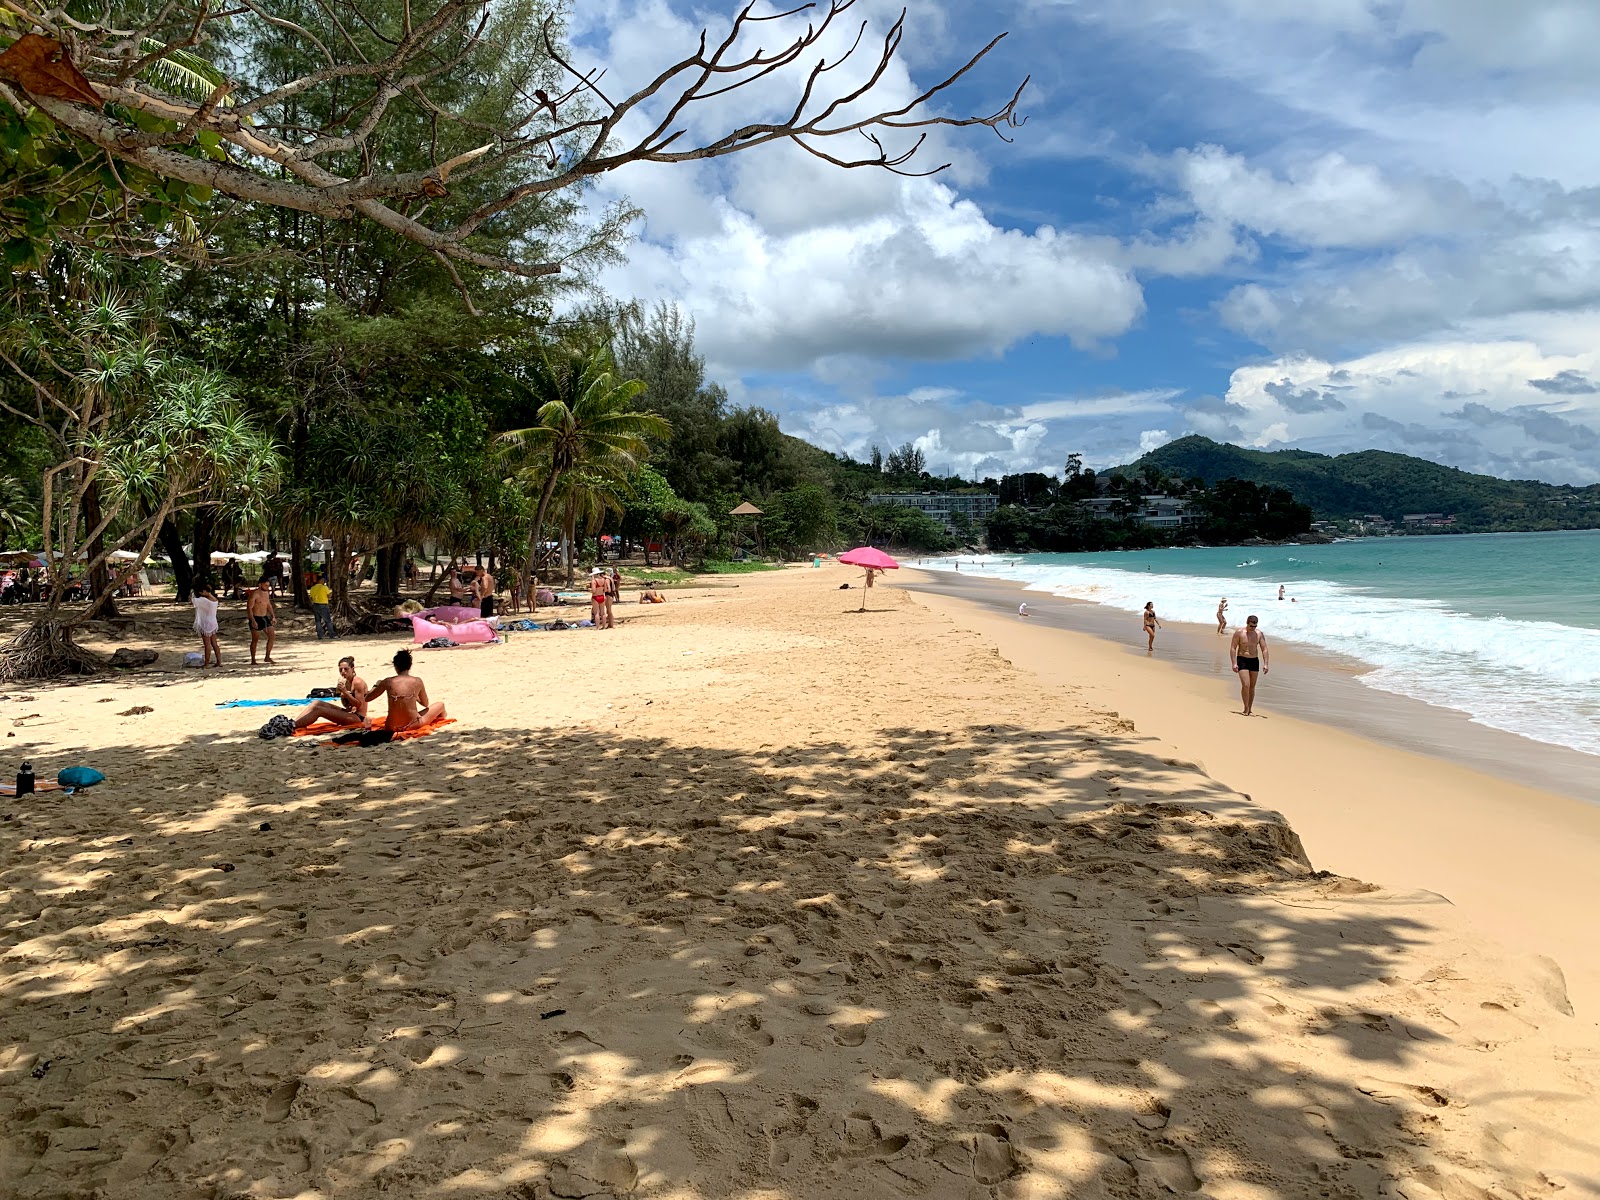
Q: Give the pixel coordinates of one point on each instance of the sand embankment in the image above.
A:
(754, 897)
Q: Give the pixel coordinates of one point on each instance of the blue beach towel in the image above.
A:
(263, 703)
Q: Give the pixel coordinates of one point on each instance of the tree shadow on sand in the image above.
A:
(573, 964)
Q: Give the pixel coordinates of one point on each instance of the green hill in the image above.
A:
(1376, 481)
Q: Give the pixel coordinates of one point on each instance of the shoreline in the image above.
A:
(1336, 698)
(1515, 860)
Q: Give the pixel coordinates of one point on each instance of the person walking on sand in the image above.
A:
(263, 618)
(600, 599)
(409, 706)
(1222, 619)
(352, 706)
(1151, 624)
(205, 622)
(483, 592)
(321, 597)
(1249, 653)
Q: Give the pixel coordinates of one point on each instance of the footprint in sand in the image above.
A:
(1166, 1166)
(986, 1155)
(1244, 953)
(861, 1137)
(1152, 1113)
(279, 1101)
(851, 1033)
(1139, 1004)
(601, 1167)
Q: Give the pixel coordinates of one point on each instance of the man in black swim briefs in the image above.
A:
(263, 617)
(1249, 653)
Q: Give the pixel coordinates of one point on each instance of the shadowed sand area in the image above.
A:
(755, 897)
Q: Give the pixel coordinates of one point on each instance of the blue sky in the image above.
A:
(1366, 223)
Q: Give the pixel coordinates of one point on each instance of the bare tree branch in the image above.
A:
(544, 144)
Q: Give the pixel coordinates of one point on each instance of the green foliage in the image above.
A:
(802, 520)
(899, 525)
(584, 421)
(723, 566)
(1391, 485)
(1234, 510)
(19, 514)
(385, 475)
(54, 187)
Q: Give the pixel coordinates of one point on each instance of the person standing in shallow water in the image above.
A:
(1249, 653)
(1151, 623)
(1222, 618)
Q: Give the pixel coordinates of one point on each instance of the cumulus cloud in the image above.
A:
(922, 275)
(1412, 399)
(1399, 201)
(785, 260)
(976, 437)
(1328, 201)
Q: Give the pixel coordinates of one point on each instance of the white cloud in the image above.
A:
(1151, 439)
(1509, 408)
(976, 437)
(922, 274)
(1328, 201)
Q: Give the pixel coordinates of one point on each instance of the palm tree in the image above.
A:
(585, 499)
(584, 420)
(17, 512)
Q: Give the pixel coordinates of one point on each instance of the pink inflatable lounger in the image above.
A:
(450, 613)
(424, 630)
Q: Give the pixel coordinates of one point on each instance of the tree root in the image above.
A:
(45, 650)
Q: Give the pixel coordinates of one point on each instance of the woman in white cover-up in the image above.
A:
(205, 623)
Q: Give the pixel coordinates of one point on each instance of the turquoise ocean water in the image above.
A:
(1502, 627)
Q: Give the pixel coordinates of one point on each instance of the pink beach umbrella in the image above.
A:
(872, 559)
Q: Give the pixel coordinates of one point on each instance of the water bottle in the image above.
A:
(25, 779)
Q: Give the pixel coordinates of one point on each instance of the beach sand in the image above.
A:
(1518, 861)
(756, 897)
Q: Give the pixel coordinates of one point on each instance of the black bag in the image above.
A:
(279, 727)
(323, 693)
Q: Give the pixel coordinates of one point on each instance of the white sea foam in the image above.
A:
(1538, 679)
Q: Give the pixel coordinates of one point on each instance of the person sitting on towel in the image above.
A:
(409, 707)
(352, 707)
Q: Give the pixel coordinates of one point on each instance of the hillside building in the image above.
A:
(1158, 512)
(944, 507)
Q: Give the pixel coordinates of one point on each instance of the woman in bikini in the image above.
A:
(1249, 654)
(1151, 624)
(1222, 620)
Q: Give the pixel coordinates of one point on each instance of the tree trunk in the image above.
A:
(571, 536)
(381, 578)
(530, 571)
(182, 572)
(205, 525)
(297, 574)
(99, 576)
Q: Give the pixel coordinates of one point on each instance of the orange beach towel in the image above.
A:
(323, 728)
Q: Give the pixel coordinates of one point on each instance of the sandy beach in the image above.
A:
(754, 897)
(1416, 809)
